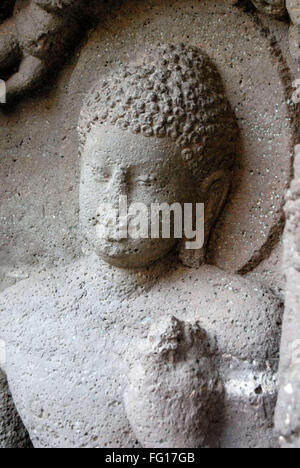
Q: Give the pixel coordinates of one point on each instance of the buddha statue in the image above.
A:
(139, 342)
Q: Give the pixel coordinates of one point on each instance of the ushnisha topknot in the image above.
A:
(175, 92)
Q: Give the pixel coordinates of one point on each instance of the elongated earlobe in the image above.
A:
(215, 190)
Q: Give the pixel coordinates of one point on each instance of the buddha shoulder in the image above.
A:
(48, 294)
(243, 314)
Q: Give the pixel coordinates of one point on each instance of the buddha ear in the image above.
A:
(215, 189)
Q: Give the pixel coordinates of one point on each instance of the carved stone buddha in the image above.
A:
(129, 346)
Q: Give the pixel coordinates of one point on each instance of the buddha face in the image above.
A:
(117, 163)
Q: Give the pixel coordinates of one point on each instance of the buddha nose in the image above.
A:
(119, 183)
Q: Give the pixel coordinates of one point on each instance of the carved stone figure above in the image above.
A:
(279, 9)
(293, 7)
(161, 131)
(271, 7)
(35, 40)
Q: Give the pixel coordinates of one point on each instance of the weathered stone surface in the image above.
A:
(295, 40)
(80, 335)
(169, 112)
(177, 359)
(293, 7)
(36, 40)
(278, 8)
(271, 7)
(12, 432)
(288, 407)
(241, 423)
(39, 164)
(160, 131)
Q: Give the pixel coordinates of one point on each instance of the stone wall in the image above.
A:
(288, 408)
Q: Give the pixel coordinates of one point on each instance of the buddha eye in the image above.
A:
(145, 180)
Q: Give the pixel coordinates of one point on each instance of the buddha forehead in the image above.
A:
(108, 145)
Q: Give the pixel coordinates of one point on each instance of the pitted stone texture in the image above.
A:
(12, 432)
(158, 132)
(39, 163)
(114, 38)
(76, 340)
(176, 365)
(293, 7)
(176, 92)
(288, 407)
(39, 167)
(271, 7)
(36, 40)
(295, 40)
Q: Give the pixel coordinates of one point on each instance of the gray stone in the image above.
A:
(171, 114)
(271, 7)
(177, 361)
(78, 340)
(140, 136)
(39, 212)
(288, 407)
(36, 39)
(293, 7)
(12, 432)
(295, 40)
(39, 141)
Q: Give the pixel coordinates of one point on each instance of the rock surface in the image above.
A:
(77, 340)
(271, 7)
(293, 7)
(39, 163)
(38, 143)
(295, 40)
(178, 360)
(12, 432)
(288, 408)
(36, 40)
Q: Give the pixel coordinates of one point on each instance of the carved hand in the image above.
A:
(35, 40)
(173, 387)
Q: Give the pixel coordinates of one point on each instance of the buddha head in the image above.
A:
(160, 131)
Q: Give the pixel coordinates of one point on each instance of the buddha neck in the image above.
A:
(124, 282)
